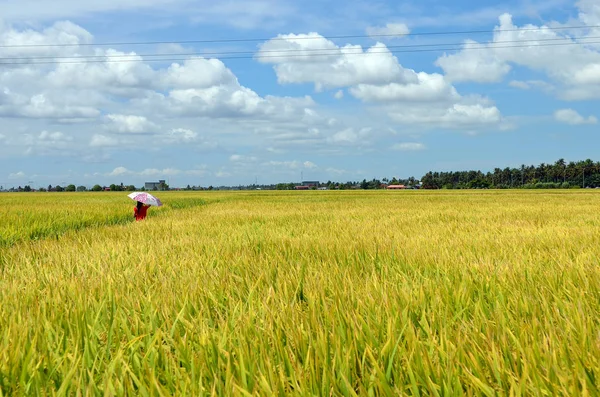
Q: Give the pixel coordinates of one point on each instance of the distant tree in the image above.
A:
(81, 188)
(130, 188)
(27, 188)
(210, 187)
(71, 188)
(39, 190)
(49, 188)
(97, 188)
(59, 188)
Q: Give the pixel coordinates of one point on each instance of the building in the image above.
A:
(396, 187)
(160, 185)
(302, 187)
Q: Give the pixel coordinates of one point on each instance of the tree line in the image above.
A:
(559, 175)
(582, 174)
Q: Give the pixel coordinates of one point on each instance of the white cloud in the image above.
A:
(351, 137)
(394, 30)
(530, 84)
(457, 116)
(573, 68)
(55, 40)
(293, 165)
(99, 140)
(197, 73)
(408, 146)
(335, 171)
(157, 172)
(520, 84)
(424, 88)
(295, 62)
(339, 94)
(472, 64)
(222, 174)
(182, 135)
(130, 124)
(247, 14)
(119, 171)
(238, 158)
(570, 116)
(407, 96)
(171, 102)
(17, 175)
(54, 137)
(42, 106)
(346, 136)
(149, 172)
(46, 143)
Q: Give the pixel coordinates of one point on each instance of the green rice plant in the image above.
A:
(311, 293)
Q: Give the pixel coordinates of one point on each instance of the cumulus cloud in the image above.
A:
(182, 135)
(119, 171)
(574, 68)
(407, 96)
(149, 172)
(130, 124)
(473, 64)
(570, 116)
(99, 140)
(393, 30)
(296, 62)
(408, 146)
(238, 158)
(424, 88)
(58, 39)
(46, 143)
(42, 105)
(293, 165)
(351, 136)
(17, 175)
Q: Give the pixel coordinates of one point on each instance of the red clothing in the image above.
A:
(141, 214)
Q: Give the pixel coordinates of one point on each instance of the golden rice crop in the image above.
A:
(308, 293)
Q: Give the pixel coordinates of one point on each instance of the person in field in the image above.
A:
(140, 211)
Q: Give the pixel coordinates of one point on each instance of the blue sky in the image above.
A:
(281, 112)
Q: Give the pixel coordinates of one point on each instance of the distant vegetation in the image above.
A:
(545, 176)
(560, 175)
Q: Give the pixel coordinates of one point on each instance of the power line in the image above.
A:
(307, 50)
(258, 56)
(245, 40)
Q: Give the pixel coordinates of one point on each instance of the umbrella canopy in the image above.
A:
(145, 198)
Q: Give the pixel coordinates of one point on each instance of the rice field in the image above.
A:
(374, 293)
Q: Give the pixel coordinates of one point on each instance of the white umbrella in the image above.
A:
(145, 198)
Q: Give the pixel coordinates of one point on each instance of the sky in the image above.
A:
(236, 92)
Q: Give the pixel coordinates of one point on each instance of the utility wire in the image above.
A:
(337, 52)
(240, 40)
(307, 50)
